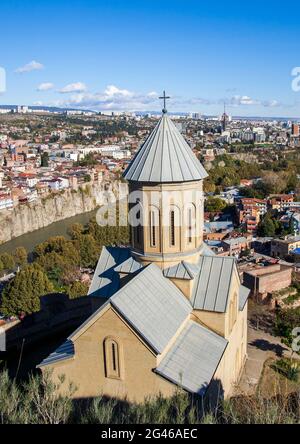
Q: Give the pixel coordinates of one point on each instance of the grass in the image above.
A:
(291, 299)
(37, 402)
(289, 368)
(277, 380)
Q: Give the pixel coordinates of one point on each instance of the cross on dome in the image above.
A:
(164, 98)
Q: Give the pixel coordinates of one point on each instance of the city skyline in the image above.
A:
(119, 57)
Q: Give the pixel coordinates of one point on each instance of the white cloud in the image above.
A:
(76, 87)
(113, 98)
(38, 103)
(31, 66)
(243, 100)
(112, 90)
(271, 103)
(117, 99)
(45, 86)
(153, 94)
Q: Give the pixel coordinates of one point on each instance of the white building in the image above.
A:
(6, 202)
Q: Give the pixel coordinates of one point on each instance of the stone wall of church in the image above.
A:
(87, 369)
(233, 360)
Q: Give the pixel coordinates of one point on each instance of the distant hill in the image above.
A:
(50, 109)
(55, 109)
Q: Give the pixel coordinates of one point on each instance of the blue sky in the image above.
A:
(120, 54)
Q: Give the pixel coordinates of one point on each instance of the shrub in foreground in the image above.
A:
(37, 402)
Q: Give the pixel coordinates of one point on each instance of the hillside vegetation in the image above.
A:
(35, 402)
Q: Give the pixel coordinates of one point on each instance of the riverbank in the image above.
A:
(60, 228)
(45, 212)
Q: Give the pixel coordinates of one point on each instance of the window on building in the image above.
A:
(137, 229)
(172, 228)
(152, 229)
(190, 226)
(112, 358)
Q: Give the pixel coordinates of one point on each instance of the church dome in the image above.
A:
(165, 157)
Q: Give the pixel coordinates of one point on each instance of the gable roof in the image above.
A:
(129, 266)
(243, 296)
(153, 306)
(235, 240)
(183, 270)
(193, 359)
(165, 157)
(212, 284)
(206, 250)
(106, 280)
(63, 352)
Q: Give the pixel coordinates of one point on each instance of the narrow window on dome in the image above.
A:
(190, 225)
(152, 229)
(172, 228)
(138, 229)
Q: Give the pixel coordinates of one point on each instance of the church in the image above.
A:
(173, 313)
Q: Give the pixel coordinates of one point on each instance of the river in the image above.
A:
(60, 228)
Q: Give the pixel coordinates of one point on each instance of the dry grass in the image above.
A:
(36, 402)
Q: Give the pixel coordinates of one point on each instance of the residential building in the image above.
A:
(235, 245)
(285, 246)
(263, 281)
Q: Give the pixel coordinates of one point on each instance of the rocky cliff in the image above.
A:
(32, 216)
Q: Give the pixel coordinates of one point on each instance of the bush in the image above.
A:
(288, 368)
(23, 293)
(39, 402)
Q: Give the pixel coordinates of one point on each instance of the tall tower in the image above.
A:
(224, 119)
(165, 198)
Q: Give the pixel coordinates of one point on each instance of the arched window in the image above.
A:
(152, 229)
(137, 229)
(172, 228)
(190, 225)
(175, 227)
(112, 358)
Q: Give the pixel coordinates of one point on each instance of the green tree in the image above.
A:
(23, 293)
(75, 230)
(214, 204)
(77, 289)
(266, 226)
(61, 246)
(20, 256)
(45, 160)
(7, 261)
(88, 250)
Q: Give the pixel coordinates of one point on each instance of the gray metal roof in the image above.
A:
(129, 266)
(218, 225)
(193, 359)
(153, 305)
(165, 157)
(205, 250)
(106, 280)
(212, 284)
(64, 351)
(235, 240)
(243, 296)
(182, 270)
